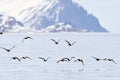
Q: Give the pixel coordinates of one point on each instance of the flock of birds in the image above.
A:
(64, 59)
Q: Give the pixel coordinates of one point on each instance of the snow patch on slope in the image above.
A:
(62, 27)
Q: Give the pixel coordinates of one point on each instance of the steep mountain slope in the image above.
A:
(60, 11)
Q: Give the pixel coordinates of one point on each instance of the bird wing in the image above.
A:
(47, 58)
(28, 57)
(41, 58)
(18, 59)
(74, 42)
(58, 41)
(75, 60)
(95, 58)
(4, 48)
(113, 61)
(10, 59)
(12, 47)
(68, 42)
(23, 40)
(21, 58)
(58, 61)
(63, 59)
(53, 40)
(82, 62)
(29, 37)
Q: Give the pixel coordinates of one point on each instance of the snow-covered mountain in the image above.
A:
(43, 14)
(62, 27)
(50, 12)
(9, 23)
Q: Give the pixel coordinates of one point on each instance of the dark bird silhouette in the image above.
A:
(56, 42)
(26, 38)
(45, 60)
(65, 59)
(15, 58)
(25, 57)
(105, 59)
(8, 50)
(112, 61)
(70, 44)
(80, 60)
(97, 59)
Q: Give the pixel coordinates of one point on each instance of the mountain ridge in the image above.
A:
(58, 11)
(40, 15)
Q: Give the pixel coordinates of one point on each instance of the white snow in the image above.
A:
(101, 45)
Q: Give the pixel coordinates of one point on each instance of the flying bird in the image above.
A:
(97, 59)
(45, 60)
(8, 50)
(28, 37)
(56, 42)
(105, 59)
(15, 58)
(65, 59)
(80, 60)
(112, 61)
(25, 57)
(70, 44)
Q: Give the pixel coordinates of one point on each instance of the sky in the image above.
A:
(107, 11)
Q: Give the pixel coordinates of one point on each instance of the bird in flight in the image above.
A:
(105, 59)
(56, 42)
(15, 58)
(25, 57)
(45, 60)
(25, 38)
(65, 59)
(70, 44)
(97, 59)
(112, 61)
(80, 60)
(8, 50)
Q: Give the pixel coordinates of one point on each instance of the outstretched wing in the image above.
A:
(53, 40)
(47, 58)
(11, 59)
(29, 37)
(113, 61)
(41, 58)
(82, 62)
(73, 43)
(68, 42)
(28, 57)
(96, 58)
(58, 61)
(23, 40)
(12, 47)
(4, 48)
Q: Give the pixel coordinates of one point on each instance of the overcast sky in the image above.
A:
(107, 11)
